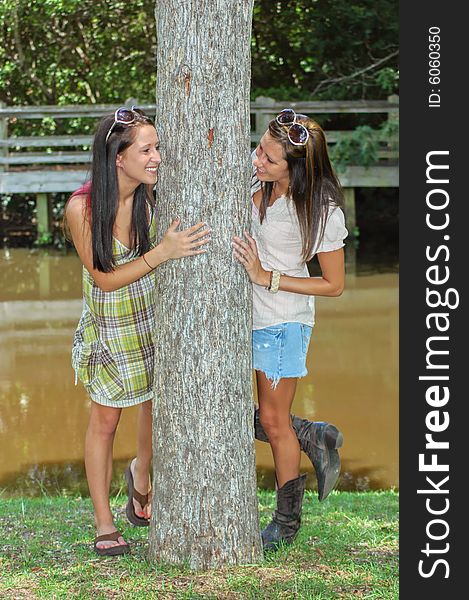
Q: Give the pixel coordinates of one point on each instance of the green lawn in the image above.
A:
(347, 548)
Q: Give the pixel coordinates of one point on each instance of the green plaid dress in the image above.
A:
(113, 349)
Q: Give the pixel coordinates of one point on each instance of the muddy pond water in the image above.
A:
(352, 379)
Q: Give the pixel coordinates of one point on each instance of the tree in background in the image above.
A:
(204, 510)
(77, 51)
(325, 49)
(103, 51)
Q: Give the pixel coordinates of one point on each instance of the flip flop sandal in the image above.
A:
(142, 499)
(111, 550)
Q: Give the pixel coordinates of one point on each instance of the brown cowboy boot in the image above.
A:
(319, 441)
(286, 518)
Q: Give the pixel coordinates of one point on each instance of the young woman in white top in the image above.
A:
(296, 204)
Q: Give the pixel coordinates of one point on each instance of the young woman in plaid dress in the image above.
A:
(112, 223)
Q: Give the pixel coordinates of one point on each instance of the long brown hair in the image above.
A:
(102, 192)
(314, 186)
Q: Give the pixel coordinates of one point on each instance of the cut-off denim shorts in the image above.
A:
(280, 350)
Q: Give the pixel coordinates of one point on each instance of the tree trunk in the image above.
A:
(205, 503)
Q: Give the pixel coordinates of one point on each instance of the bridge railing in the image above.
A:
(60, 163)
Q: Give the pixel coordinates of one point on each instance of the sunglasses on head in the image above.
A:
(125, 116)
(297, 133)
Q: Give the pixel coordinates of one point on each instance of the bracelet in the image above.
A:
(274, 282)
(147, 263)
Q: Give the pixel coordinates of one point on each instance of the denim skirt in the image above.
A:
(280, 350)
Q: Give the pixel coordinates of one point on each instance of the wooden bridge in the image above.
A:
(41, 165)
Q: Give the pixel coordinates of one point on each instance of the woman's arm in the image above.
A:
(331, 282)
(175, 244)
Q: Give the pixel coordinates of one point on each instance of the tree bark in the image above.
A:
(205, 503)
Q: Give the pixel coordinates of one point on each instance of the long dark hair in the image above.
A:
(102, 192)
(314, 186)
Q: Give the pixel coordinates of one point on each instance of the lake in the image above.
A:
(352, 380)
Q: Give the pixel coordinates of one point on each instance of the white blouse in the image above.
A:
(280, 248)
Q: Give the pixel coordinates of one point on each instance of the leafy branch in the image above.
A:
(361, 146)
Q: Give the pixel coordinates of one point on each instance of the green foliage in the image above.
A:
(389, 131)
(332, 50)
(361, 146)
(77, 51)
(103, 51)
(289, 94)
(388, 79)
(44, 239)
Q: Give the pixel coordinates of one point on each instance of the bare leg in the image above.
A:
(274, 413)
(98, 461)
(140, 466)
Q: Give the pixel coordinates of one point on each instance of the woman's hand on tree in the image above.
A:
(246, 253)
(188, 242)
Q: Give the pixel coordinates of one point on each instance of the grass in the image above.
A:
(346, 548)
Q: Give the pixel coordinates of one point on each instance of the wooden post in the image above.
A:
(393, 118)
(3, 136)
(351, 222)
(350, 213)
(43, 214)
